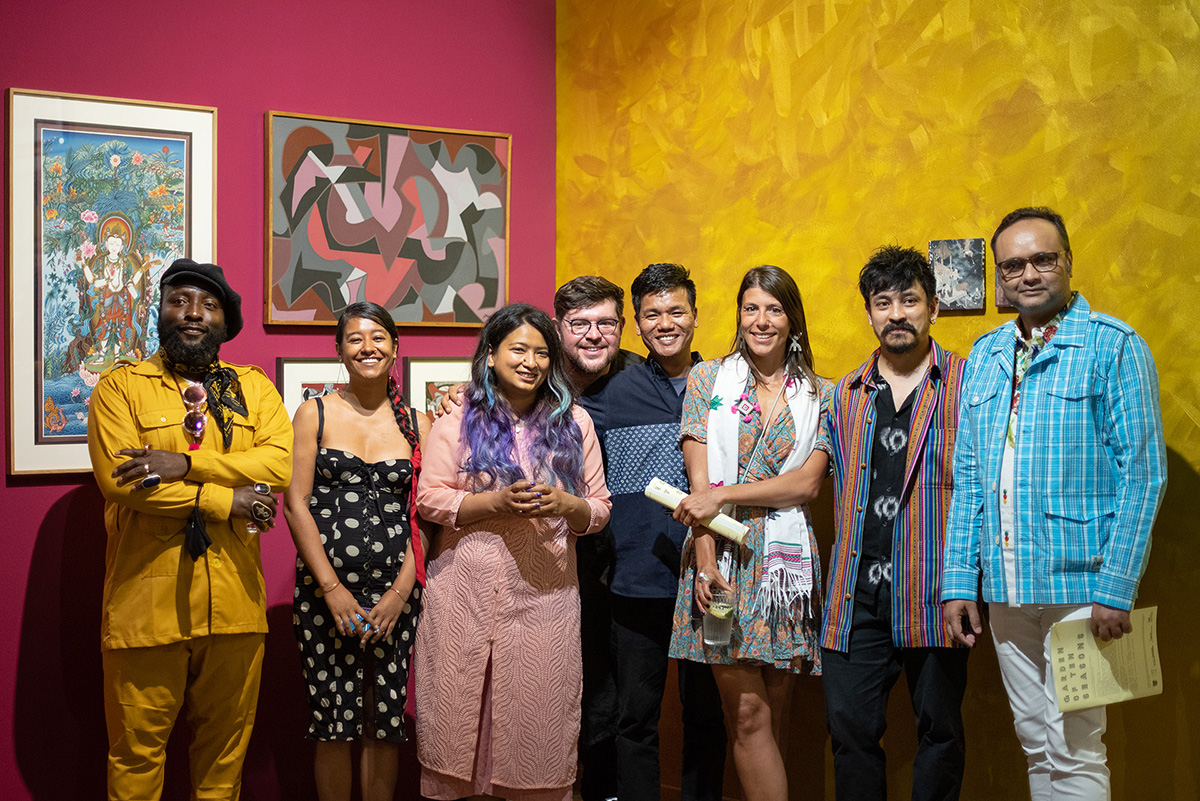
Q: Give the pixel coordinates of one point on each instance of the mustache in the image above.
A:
(901, 326)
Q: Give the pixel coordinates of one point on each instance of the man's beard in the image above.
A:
(192, 354)
(903, 347)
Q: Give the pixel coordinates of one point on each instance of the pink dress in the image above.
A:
(498, 664)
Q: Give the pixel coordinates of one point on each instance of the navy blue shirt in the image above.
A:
(637, 421)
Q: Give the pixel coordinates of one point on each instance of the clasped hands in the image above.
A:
(527, 498)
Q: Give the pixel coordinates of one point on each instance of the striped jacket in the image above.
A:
(919, 534)
(1090, 466)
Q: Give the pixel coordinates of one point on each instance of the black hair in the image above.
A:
(1034, 213)
(892, 268)
(661, 277)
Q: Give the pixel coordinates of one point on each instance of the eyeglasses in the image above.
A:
(195, 398)
(580, 327)
(1043, 262)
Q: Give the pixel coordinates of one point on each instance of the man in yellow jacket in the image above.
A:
(188, 452)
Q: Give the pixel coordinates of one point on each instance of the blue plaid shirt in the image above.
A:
(1090, 466)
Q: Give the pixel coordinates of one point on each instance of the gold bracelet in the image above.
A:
(393, 589)
(336, 584)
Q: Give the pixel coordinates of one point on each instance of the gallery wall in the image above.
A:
(471, 65)
(722, 135)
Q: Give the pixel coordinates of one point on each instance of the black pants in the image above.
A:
(641, 638)
(857, 685)
(598, 723)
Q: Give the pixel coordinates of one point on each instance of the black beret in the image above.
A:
(210, 278)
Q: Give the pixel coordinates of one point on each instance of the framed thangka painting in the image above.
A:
(104, 194)
(958, 267)
(414, 219)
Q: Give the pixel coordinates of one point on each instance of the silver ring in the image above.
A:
(150, 481)
(262, 488)
(702, 576)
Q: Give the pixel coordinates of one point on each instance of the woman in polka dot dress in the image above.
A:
(359, 570)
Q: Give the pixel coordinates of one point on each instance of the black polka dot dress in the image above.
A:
(362, 513)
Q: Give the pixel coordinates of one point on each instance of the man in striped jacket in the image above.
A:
(891, 424)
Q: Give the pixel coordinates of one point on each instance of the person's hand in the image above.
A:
(708, 580)
(1108, 623)
(953, 614)
(383, 618)
(518, 498)
(144, 463)
(347, 614)
(551, 501)
(700, 506)
(245, 503)
(451, 400)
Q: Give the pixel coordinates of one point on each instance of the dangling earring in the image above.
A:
(794, 345)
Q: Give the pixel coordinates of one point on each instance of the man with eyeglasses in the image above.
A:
(637, 417)
(1059, 470)
(589, 312)
(188, 452)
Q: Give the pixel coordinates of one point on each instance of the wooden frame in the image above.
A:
(412, 218)
(103, 194)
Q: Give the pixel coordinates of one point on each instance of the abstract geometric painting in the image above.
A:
(958, 266)
(414, 219)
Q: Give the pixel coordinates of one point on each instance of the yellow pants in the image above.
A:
(214, 680)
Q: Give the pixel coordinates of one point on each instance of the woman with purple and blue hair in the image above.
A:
(511, 477)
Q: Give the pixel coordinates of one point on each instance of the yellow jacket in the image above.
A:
(153, 592)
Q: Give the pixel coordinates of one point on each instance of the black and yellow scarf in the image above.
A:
(224, 392)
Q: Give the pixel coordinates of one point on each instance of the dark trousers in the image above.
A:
(641, 637)
(857, 685)
(598, 719)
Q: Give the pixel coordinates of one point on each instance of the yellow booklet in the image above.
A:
(1090, 673)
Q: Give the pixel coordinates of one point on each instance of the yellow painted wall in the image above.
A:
(727, 134)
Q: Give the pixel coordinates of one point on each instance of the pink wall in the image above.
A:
(471, 64)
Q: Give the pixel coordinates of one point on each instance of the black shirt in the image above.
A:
(889, 454)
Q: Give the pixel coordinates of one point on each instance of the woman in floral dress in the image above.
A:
(751, 422)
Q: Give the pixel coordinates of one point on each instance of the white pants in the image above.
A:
(1066, 755)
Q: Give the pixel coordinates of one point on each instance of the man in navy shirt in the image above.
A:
(637, 419)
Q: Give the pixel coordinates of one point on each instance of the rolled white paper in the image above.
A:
(669, 496)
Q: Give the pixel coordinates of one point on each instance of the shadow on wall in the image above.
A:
(58, 713)
(58, 719)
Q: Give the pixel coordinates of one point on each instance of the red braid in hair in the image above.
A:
(406, 420)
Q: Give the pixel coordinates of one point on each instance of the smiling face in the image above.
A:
(367, 349)
(1036, 295)
(521, 363)
(191, 325)
(763, 324)
(666, 322)
(901, 318)
(590, 353)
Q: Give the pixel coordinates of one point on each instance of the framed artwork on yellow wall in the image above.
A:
(104, 193)
(958, 266)
(414, 219)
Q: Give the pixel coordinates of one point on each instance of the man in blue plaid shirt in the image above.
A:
(1059, 470)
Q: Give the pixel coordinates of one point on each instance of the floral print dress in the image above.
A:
(792, 641)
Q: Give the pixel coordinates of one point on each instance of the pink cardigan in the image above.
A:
(502, 589)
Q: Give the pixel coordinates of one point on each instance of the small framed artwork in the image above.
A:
(428, 379)
(1001, 299)
(104, 193)
(958, 266)
(414, 219)
(302, 378)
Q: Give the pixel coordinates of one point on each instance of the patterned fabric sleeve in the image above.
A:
(697, 401)
(824, 441)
